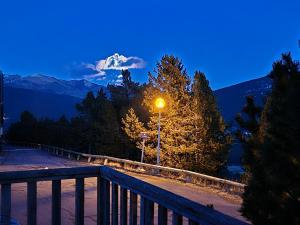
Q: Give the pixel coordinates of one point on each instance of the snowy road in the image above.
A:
(24, 159)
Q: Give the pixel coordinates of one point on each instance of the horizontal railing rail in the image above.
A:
(228, 186)
(113, 189)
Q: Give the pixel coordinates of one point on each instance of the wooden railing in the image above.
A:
(179, 174)
(112, 189)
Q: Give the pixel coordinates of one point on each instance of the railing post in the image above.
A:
(114, 205)
(176, 219)
(5, 204)
(99, 201)
(133, 209)
(106, 202)
(103, 206)
(147, 212)
(56, 202)
(191, 222)
(162, 215)
(79, 201)
(31, 202)
(123, 206)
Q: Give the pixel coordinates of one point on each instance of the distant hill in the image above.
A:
(41, 104)
(48, 84)
(231, 99)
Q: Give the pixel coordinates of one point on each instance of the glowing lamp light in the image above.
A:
(160, 103)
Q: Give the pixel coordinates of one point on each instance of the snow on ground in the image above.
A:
(23, 159)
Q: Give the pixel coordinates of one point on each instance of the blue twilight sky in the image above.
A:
(231, 41)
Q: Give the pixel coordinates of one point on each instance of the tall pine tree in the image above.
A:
(273, 192)
(177, 139)
(213, 141)
(192, 130)
(100, 127)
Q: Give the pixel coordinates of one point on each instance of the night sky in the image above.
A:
(230, 41)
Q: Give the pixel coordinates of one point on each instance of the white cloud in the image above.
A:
(120, 62)
(104, 68)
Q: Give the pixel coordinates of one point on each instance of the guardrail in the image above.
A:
(112, 188)
(134, 166)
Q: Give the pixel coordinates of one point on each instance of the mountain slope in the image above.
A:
(41, 104)
(232, 99)
(48, 84)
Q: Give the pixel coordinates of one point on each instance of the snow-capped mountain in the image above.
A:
(38, 82)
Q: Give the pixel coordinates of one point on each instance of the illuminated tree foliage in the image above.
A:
(273, 192)
(133, 127)
(187, 139)
(213, 141)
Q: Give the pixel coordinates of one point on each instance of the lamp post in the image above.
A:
(160, 104)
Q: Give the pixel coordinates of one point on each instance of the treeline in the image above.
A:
(193, 133)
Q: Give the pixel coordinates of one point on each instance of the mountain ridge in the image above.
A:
(76, 88)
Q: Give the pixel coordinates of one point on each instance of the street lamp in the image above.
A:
(160, 104)
(144, 136)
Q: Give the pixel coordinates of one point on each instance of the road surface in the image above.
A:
(25, 158)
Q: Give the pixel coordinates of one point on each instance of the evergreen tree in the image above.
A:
(273, 192)
(212, 139)
(192, 130)
(101, 127)
(133, 127)
(247, 134)
(25, 130)
(172, 84)
(124, 94)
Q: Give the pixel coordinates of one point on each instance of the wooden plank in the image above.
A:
(123, 206)
(146, 212)
(31, 203)
(162, 215)
(79, 201)
(133, 209)
(56, 202)
(176, 219)
(5, 204)
(115, 204)
(49, 174)
(187, 208)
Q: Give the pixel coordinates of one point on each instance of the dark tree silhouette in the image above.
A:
(273, 192)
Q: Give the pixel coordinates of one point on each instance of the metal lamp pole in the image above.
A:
(158, 139)
(160, 104)
(143, 150)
